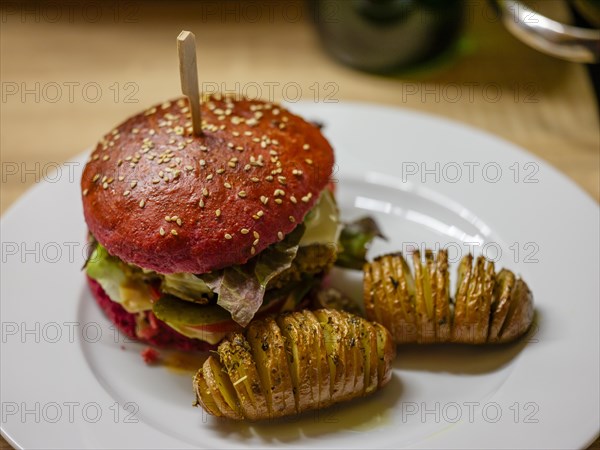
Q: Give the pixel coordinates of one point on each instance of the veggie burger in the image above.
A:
(193, 236)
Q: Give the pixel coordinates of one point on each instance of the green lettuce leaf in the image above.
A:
(186, 286)
(322, 222)
(355, 240)
(241, 288)
(116, 278)
(107, 271)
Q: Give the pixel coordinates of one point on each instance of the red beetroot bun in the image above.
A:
(246, 182)
(162, 335)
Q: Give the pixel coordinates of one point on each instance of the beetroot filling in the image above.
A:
(161, 336)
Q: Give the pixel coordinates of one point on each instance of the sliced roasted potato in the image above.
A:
(336, 354)
(374, 289)
(247, 366)
(204, 395)
(389, 290)
(501, 303)
(349, 359)
(297, 361)
(314, 335)
(489, 280)
(308, 361)
(474, 313)
(442, 297)
(475, 326)
(291, 364)
(221, 391)
(385, 354)
(358, 351)
(487, 307)
(423, 301)
(369, 296)
(460, 330)
(368, 336)
(406, 292)
(520, 313)
(237, 361)
(388, 287)
(268, 349)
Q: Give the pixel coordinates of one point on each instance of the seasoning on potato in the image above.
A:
(488, 307)
(295, 362)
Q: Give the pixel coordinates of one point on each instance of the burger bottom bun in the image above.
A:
(162, 336)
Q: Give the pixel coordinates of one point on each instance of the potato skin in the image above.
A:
(488, 307)
(520, 314)
(389, 292)
(268, 351)
(292, 377)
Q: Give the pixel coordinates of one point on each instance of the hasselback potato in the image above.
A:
(294, 362)
(488, 307)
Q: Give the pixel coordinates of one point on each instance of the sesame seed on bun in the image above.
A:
(159, 197)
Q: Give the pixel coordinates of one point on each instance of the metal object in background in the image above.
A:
(549, 36)
(385, 35)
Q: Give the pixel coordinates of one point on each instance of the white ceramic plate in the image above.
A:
(69, 382)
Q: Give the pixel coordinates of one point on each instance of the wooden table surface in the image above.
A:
(68, 78)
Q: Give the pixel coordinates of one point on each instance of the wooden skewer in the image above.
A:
(188, 71)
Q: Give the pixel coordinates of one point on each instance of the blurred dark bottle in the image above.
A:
(590, 10)
(384, 36)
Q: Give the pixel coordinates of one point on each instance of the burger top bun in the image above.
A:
(159, 197)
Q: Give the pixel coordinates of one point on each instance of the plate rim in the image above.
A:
(26, 196)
